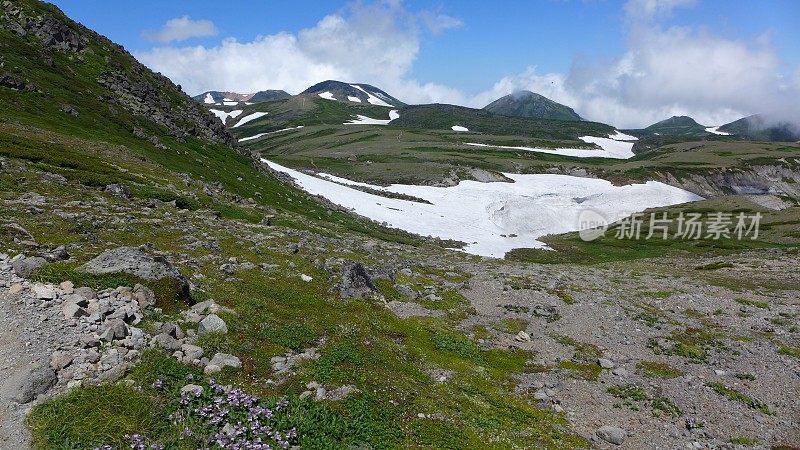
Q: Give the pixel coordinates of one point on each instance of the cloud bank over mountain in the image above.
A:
(663, 71)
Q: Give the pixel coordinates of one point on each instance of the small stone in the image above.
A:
(60, 360)
(719, 372)
(605, 363)
(620, 372)
(305, 278)
(44, 292)
(86, 292)
(191, 389)
(67, 287)
(211, 369)
(223, 360)
(166, 342)
(540, 396)
(16, 289)
(73, 310)
(522, 337)
(192, 352)
(614, 435)
(212, 324)
(25, 267)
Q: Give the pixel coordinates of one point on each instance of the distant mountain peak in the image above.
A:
(531, 104)
(221, 97)
(354, 93)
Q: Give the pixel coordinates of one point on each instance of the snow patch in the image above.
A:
(715, 130)
(209, 100)
(371, 98)
(501, 216)
(327, 95)
(364, 120)
(259, 135)
(223, 115)
(354, 99)
(619, 136)
(459, 128)
(249, 118)
(229, 103)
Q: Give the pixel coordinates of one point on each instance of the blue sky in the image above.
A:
(479, 45)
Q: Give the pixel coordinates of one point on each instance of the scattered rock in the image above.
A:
(118, 190)
(356, 282)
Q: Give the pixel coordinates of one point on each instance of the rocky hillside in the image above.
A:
(354, 93)
(530, 104)
(49, 61)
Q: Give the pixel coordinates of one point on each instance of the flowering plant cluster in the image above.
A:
(216, 417)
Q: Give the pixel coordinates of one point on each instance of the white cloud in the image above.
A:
(181, 29)
(371, 43)
(666, 72)
(663, 72)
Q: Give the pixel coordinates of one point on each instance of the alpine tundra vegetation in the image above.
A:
(268, 265)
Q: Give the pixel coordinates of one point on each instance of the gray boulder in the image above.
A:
(614, 435)
(212, 324)
(118, 190)
(166, 342)
(26, 385)
(136, 261)
(25, 267)
(223, 360)
(356, 282)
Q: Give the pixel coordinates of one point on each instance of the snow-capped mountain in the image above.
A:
(220, 98)
(354, 93)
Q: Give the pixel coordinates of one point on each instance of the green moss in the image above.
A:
(789, 350)
(512, 326)
(754, 303)
(653, 369)
(586, 371)
(734, 395)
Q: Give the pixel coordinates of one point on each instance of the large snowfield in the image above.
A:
(493, 218)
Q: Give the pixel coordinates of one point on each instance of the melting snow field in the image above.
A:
(493, 218)
(249, 118)
(458, 128)
(327, 95)
(715, 130)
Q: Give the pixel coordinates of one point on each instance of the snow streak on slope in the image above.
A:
(715, 130)
(354, 99)
(371, 98)
(249, 118)
(487, 215)
(619, 136)
(611, 148)
(459, 128)
(364, 120)
(327, 95)
(250, 138)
